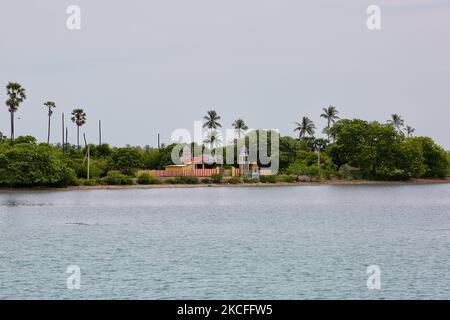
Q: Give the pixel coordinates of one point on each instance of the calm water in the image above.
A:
(218, 243)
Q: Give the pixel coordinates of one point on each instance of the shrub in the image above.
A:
(81, 169)
(234, 180)
(33, 165)
(206, 180)
(86, 182)
(189, 180)
(268, 179)
(216, 178)
(287, 178)
(147, 178)
(117, 178)
(174, 181)
(250, 180)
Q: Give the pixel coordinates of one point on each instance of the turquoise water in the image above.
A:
(222, 243)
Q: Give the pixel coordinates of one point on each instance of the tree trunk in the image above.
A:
(48, 135)
(78, 137)
(12, 125)
(328, 131)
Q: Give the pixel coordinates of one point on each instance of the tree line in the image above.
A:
(352, 149)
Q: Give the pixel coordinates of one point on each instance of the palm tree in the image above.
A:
(16, 96)
(213, 138)
(409, 131)
(239, 127)
(396, 121)
(49, 105)
(306, 126)
(331, 115)
(212, 123)
(211, 120)
(79, 118)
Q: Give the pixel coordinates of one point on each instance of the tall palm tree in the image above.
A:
(211, 120)
(213, 138)
(212, 123)
(396, 121)
(331, 115)
(306, 126)
(409, 131)
(50, 105)
(239, 127)
(79, 118)
(16, 94)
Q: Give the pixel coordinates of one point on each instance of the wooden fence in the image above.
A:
(186, 172)
(199, 172)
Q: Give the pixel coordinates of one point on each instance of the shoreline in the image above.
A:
(227, 185)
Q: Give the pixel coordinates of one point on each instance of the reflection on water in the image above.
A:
(223, 243)
(21, 203)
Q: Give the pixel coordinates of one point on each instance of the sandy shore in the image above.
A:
(242, 185)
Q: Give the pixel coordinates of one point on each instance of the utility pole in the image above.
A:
(88, 154)
(67, 134)
(318, 163)
(63, 147)
(159, 145)
(99, 132)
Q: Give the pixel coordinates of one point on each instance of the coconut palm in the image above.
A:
(239, 127)
(16, 95)
(79, 118)
(213, 138)
(306, 126)
(396, 121)
(50, 105)
(211, 120)
(409, 131)
(331, 115)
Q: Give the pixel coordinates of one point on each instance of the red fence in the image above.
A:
(200, 172)
(188, 172)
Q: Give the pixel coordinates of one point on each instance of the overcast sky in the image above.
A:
(144, 67)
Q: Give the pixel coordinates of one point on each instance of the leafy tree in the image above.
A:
(25, 139)
(50, 105)
(126, 159)
(435, 158)
(16, 95)
(289, 148)
(411, 159)
(305, 164)
(98, 151)
(79, 118)
(28, 165)
(370, 146)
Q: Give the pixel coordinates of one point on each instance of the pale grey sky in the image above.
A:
(144, 67)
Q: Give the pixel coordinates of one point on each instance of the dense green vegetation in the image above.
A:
(28, 164)
(353, 149)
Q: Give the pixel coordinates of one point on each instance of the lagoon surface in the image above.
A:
(308, 242)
